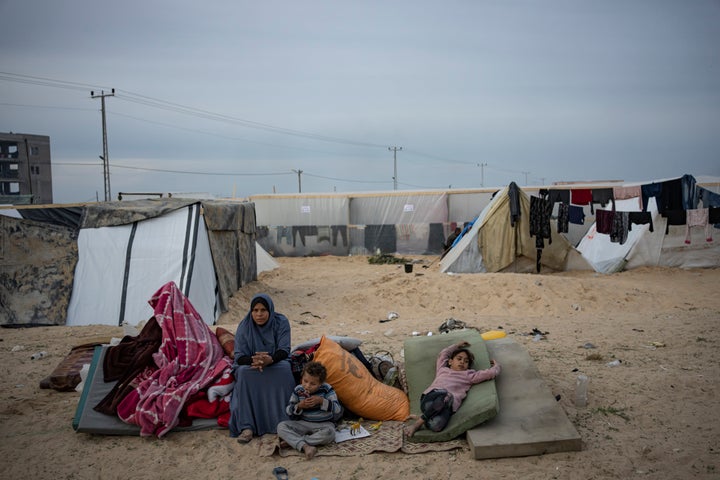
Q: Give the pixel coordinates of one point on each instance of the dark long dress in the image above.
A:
(260, 397)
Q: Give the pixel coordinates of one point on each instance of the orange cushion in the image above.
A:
(357, 389)
(227, 340)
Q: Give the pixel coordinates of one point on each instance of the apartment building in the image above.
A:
(25, 169)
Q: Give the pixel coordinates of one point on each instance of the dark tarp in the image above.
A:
(64, 216)
(231, 230)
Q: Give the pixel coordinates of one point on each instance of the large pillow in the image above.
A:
(356, 388)
(348, 343)
(481, 403)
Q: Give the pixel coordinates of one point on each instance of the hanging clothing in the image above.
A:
(601, 196)
(561, 196)
(671, 197)
(576, 215)
(675, 217)
(540, 211)
(690, 194)
(698, 218)
(714, 216)
(623, 193)
(651, 190)
(604, 221)
(581, 196)
(620, 228)
(514, 196)
(640, 218)
(563, 218)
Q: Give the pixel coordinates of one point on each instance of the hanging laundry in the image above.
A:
(581, 196)
(540, 211)
(601, 196)
(650, 190)
(561, 196)
(576, 215)
(604, 221)
(563, 218)
(623, 193)
(677, 216)
(620, 228)
(640, 218)
(714, 216)
(698, 218)
(690, 194)
(671, 197)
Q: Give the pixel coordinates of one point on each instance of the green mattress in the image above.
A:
(481, 403)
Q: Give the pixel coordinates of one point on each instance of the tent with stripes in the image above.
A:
(99, 263)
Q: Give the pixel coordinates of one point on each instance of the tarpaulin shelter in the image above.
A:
(96, 263)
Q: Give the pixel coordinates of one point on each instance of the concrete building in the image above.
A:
(25, 169)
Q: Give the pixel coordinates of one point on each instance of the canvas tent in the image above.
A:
(98, 263)
(495, 243)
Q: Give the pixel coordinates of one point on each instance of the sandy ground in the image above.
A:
(657, 415)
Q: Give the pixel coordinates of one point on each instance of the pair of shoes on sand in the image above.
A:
(245, 436)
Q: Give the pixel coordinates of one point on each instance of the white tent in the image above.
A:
(119, 267)
(101, 263)
(664, 246)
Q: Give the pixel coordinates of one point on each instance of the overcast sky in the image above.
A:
(229, 97)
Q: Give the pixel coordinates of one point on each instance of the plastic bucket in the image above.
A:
(408, 267)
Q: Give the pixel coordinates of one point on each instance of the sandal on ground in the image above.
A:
(280, 473)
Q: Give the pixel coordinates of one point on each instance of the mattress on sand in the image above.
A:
(481, 403)
(87, 420)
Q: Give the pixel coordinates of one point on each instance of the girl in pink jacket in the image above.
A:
(453, 379)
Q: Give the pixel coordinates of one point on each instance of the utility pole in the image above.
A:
(482, 173)
(394, 150)
(299, 172)
(105, 157)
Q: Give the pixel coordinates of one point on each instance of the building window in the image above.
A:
(35, 169)
(14, 188)
(34, 150)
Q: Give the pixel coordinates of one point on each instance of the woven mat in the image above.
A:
(389, 438)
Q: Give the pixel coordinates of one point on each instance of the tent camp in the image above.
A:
(497, 243)
(96, 263)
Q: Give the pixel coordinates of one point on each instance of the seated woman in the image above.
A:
(263, 378)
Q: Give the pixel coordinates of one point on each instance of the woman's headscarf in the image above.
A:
(271, 337)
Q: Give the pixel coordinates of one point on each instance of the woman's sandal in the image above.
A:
(245, 436)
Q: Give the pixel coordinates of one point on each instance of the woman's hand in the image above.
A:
(463, 344)
(260, 360)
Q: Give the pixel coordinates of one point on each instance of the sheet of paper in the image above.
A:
(344, 434)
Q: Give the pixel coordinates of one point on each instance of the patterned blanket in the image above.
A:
(189, 359)
(388, 438)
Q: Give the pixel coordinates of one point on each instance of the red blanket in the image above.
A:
(189, 359)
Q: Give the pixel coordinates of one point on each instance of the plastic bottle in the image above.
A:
(37, 355)
(581, 390)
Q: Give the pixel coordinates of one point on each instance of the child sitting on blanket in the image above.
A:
(453, 379)
(313, 410)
